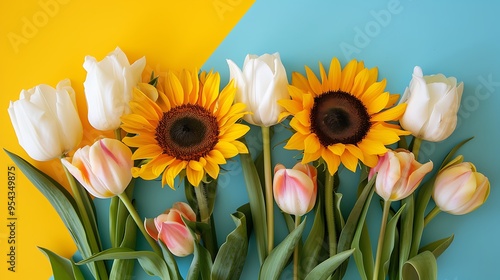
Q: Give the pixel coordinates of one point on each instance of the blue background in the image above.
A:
(456, 38)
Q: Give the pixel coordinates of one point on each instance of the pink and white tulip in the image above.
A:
(460, 189)
(398, 174)
(103, 169)
(295, 189)
(171, 229)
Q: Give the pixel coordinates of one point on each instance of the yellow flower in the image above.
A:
(342, 118)
(190, 127)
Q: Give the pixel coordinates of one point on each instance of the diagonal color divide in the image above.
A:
(45, 41)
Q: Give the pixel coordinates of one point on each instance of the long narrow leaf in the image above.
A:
(438, 247)
(170, 261)
(355, 221)
(62, 202)
(257, 205)
(311, 251)
(62, 268)
(151, 263)
(406, 230)
(232, 254)
(421, 267)
(277, 259)
(327, 267)
(388, 246)
(122, 269)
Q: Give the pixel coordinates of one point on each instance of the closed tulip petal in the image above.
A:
(294, 190)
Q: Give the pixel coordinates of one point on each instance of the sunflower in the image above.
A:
(344, 117)
(190, 127)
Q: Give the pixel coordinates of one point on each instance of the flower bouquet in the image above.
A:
(180, 129)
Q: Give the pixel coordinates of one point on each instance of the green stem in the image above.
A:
(431, 215)
(87, 225)
(330, 217)
(140, 224)
(209, 237)
(266, 146)
(416, 147)
(118, 134)
(383, 225)
(296, 253)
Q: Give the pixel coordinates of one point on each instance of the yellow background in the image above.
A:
(45, 41)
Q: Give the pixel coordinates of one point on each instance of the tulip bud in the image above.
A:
(398, 174)
(260, 84)
(103, 169)
(46, 121)
(171, 229)
(295, 189)
(108, 88)
(459, 189)
(433, 103)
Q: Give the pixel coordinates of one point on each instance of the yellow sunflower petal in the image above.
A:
(355, 151)
(349, 160)
(233, 132)
(334, 75)
(301, 82)
(296, 142)
(296, 93)
(174, 90)
(313, 81)
(383, 134)
(242, 148)
(172, 171)
(312, 143)
(212, 169)
(216, 156)
(324, 78)
(391, 114)
(373, 91)
(168, 179)
(348, 75)
(337, 148)
(332, 160)
(188, 84)
(360, 82)
(147, 151)
(393, 99)
(304, 118)
(299, 127)
(160, 163)
(372, 147)
(139, 140)
(227, 149)
(378, 103)
(308, 101)
(136, 124)
(226, 97)
(373, 75)
(370, 160)
(309, 157)
(210, 91)
(291, 106)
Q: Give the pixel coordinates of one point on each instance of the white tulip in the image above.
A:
(108, 88)
(260, 84)
(433, 103)
(46, 120)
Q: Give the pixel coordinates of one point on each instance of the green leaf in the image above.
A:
(122, 269)
(62, 268)
(257, 204)
(150, 262)
(388, 246)
(439, 246)
(453, 151)
(277, 259)
(421, 267)
(310, 253)
(406, 232)
(201, 265)
(232, 254)
(170, 261)
(327, 267)
(355, 223)
(62, 202)
(363, 256)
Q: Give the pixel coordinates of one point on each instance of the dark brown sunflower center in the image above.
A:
(187, 132)
(339, 117)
